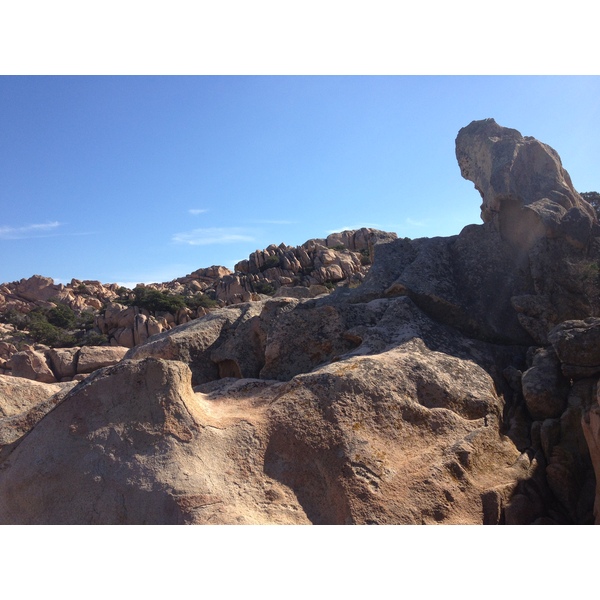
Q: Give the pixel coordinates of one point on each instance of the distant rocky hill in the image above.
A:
(452, 380)
(38, 311)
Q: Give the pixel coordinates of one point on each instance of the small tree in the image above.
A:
(154, 300)
(264, 287)
(61, 316)
(594, 199)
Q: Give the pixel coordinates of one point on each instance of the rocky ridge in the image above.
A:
(457, 384)
(306, 271)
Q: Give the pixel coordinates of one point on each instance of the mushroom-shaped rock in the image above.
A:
(525, 189)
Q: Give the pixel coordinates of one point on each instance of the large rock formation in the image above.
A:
(526, 192)
(457, 384)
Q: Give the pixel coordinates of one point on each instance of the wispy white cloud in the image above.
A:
(197, 211)
(214, 235)
(415, 223)
(28, 231)
(354, 227)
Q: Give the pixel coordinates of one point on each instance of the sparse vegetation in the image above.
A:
(270, 263)
(81, 289)
(200, 301)
(61, 316)
(58, 327)
(154, 300)
(353, 283)
(264, 287)
(339, 247)
(594, 199)
(589, 271)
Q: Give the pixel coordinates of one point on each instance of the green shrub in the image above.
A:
(92, 338)
(200, 301)
(264, 287)
(270, 262)
(339, 247)
(61, 316)
(15, 318)
(86, 320)
(43, 332)
(594, 199)
(81, 289)
(154, 300)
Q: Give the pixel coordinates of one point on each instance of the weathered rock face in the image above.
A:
(577, 344)
(49, 365)
(18, 395)
(591, 429)
(132, 445)
(22, 405)
(31, 365)
(135, 449)
(545, 388)
(527, 194)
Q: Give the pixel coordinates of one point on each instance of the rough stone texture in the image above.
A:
(577, 344)
(591, 429)
(455, 280)
(193, 342)
(17, 394)
(31, 365)
(91, 358)
(544, 386)
(134, 444)
(526, 191)
(63, 362)
(33, 405)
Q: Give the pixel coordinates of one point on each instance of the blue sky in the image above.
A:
(143, 179)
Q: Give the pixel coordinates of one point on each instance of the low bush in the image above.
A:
(61, 316)
(365, 257)
(270, 263)
(43, 332)
(154, 300)
(200, 301)
(264, 287)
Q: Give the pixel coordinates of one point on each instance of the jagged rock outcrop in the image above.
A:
(577, 343)
(194, 343)
(51, 365)
(26, 294)
(344, 256)
(31, 364)
(526, 192)
(457, 384)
